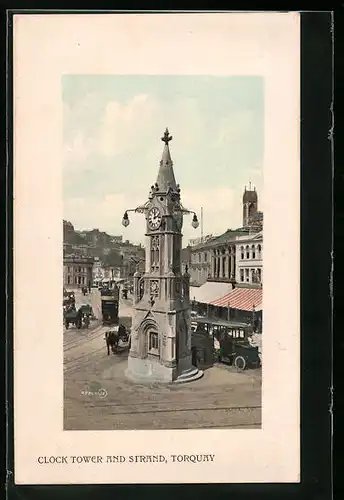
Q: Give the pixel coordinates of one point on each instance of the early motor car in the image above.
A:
(231, 341)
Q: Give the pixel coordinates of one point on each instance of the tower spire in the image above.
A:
(166, 179)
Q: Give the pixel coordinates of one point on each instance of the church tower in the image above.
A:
(161, 336)
(250, 206)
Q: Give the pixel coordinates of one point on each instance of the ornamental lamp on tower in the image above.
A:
(154, 215)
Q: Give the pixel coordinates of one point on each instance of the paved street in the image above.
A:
(99, 397)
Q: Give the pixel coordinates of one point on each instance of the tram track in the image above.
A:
(253, 425)
(232, 409)
(86, 338)
(76, 362)
(194, 401)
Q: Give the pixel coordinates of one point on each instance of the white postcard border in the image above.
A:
(45, 48)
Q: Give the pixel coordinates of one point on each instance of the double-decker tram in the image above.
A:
(109, 305)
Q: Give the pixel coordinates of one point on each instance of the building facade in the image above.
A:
(77, 271)
(220, 258)
(202, 239)
(103, 271)
(200, 263)
(215, 260)
(97, 270)
(133, 258)
(249, 259)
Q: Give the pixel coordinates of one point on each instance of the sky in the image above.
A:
(112, 147)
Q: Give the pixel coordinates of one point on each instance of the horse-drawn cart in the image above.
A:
(114, 336)
(72, 317)
(78, 318)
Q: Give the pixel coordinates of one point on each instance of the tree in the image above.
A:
(113, 259)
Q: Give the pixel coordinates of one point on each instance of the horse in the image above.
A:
(112, 338)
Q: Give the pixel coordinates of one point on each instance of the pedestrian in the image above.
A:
(194, 356)
(252, 340)
(217, 349)
(199, 357)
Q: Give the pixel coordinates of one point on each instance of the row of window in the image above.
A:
(197, 257)
(78, 269)
(248, 252)
(200, 273)
(251, 275)
(251, 252)
(218, 331)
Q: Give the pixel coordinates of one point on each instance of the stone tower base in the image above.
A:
(149, 371)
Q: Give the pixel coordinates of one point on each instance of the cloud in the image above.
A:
(127, 136)
(78, 151)
(112, 152)
(134, 126)
(127, 126)
(236, 128)
(256, 172)
(212, 200)
(220, 210)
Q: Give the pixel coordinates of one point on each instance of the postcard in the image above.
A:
(156, 248)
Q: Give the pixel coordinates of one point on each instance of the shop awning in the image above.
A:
(242, 298)
(209, 292)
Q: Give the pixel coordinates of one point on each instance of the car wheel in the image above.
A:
(240, 363)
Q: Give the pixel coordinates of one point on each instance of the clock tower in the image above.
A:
(161, 336)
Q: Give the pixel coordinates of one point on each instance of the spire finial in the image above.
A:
(167, 137)
(166, 179)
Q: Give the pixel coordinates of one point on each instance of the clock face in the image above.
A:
(154, 218)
